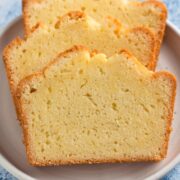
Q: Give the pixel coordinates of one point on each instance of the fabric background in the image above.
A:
(9, 9)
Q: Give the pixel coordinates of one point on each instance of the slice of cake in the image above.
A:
(150, 13)
(86, 108)
(24, 57)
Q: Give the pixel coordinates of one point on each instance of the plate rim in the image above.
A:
(21, 175)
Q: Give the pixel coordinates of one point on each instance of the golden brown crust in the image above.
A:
(92, 161)
(164, 12)
(154, 50)
(24, 118)
(172, 79)
(163, 17)
(25, 17)
(14, 43)
(27, 29)
(6, 50)
(76, 48)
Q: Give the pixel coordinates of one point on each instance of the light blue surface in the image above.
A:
(9, 9)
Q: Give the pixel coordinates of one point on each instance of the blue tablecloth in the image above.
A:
(10, 9)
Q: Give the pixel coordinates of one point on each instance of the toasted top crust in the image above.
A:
(77, 81)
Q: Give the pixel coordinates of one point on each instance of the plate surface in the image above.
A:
(12, 150)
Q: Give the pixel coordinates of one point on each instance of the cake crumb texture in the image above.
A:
(90, 108)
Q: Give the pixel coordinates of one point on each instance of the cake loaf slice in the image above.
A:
(24, 57)
(151, 13)
(86, 108)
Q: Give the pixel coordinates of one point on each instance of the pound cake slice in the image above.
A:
(151, 13)
(89, 108)
(24, 57)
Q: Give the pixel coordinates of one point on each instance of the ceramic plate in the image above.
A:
(12, 151)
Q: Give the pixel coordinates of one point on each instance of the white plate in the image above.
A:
(12, 151)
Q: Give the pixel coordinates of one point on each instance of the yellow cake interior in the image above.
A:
(85, 109)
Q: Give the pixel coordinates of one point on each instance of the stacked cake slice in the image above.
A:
(83, 84)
